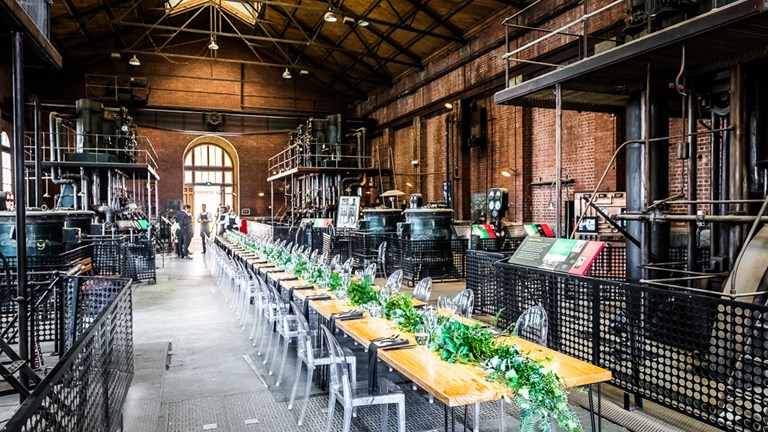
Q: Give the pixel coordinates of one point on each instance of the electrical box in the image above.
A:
(593, 225)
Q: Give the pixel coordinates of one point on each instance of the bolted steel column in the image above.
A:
(737, 161)
(693, 257)
(559, 160)
(19, 193)
(634, 182)
(658, 170)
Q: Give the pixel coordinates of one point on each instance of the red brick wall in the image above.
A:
(252, 152)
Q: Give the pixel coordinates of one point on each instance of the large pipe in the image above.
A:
(737, 163)
(692, 183)
(19, 186)
(38, 153)
(658, 170)
(634, 182)
(559, 159)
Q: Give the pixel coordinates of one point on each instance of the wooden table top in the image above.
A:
(451, 383)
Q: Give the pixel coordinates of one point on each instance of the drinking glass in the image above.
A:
(375, 309)
(421, 334)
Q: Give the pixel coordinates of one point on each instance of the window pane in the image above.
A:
(188, 160)
(228, 177)
(203, 156)
(227, 161)
(187, 177)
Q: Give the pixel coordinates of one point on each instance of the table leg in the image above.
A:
(465, 418)
(591, 409)
(445, 418)
(453, 419)
(599, 408)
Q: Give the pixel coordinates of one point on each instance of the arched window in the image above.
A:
(7, 174)
(210, 173)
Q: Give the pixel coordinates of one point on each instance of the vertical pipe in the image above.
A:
(714, 189)
(692, 183)
(558, 159)
(737, 163)
(634, 182)
(38, 154)
(19, 193)
(725, 181)
(658, 174)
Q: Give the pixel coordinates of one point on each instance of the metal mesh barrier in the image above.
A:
(364, 246)
(702, 355)
(140, 261)
(438, 259)
(87, 388)
(39, 12)
(337, 244)
(108, 255)
(481, 279)
(41, 272)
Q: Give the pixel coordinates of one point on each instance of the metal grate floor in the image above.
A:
(142, 404)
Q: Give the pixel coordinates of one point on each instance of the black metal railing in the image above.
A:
(438, 259)
(130, 257)
(86, 389)
(700, 354)
(41, 272)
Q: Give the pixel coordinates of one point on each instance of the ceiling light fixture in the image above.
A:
(349, 21)
(213, 46)
(362, 23)
(134, 61)
(448, 105)
(303, 72)
(330, 17)
(287, 74)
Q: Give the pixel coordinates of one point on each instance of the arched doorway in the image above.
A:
(211, 174)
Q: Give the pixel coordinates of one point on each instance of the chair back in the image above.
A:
(465, 303)
(347, 266)
(370, 271)
(335, 261)
(394, 281)
(340, 380)
(423, 290)
(305, 347)
(382, 251)
(532, 325)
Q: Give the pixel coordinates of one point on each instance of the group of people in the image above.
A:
(226, 219)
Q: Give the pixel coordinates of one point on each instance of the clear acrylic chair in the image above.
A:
(423, 290)
(310, 354)
(381, 259)
(532, 325)
(286, 329)
(465, 303)
(394, 281)
(370, 271)
(350, 397)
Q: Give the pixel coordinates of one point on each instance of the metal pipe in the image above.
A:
(19, 186)
(751, 234)
(714, 187)
(737, 164)
(559, 159)
(673, 270)
(38, 153)
(693, 250)
(634, 182)
(745, 201)
(689, 218)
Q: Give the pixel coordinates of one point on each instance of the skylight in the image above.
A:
(246, 11)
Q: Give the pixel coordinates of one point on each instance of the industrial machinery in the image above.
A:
(381, 219)
(95, 158)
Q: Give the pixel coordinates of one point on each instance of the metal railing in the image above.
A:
(699, 354)
(324, 156)
(86, 389)
(39, 11)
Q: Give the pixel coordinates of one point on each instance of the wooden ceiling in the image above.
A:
(347, 57)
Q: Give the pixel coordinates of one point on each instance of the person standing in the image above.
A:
(187, 230)
(179, 218)
(204, 218)
(223, 220)
(233, 221)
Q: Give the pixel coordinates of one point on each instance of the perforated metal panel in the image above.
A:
(697, 354)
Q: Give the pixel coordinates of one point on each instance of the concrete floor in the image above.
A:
(210, 385)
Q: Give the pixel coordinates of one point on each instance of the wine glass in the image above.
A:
(421, 334)
(375, 309)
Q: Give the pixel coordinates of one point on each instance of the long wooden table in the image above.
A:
(453, 384)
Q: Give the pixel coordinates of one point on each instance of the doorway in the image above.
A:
(210, 176)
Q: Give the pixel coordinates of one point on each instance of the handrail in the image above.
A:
(29, 408)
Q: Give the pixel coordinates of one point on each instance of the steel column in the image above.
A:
(38, 153)
(737, 162)
(559, 160)
(692, 143)
(20, 187)
(634, 182)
